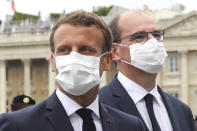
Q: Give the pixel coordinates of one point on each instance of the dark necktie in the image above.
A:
(149, 105)
(86, 115)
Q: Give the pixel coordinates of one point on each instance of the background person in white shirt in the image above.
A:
(80, 51)
(140, 55)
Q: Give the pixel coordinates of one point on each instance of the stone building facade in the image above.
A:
(179, 76)
(24, 67)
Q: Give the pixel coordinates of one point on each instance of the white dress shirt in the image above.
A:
(71, 107)
(137, 93)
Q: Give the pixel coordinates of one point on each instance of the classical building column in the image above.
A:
(51, 78)
(3, 92)
(184, 76)
(27, 76)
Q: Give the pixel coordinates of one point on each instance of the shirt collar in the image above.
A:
(71, 106)
(136, 92)
(156, 94)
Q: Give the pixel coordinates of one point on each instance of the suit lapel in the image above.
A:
(108, 123)
(126, 104)
(171, 111)
(123, 100)
(56, 114)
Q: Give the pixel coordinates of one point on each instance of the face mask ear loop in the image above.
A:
(53, 54)
(125, 62)
(122, 45)
(104, 54)
(54, 57)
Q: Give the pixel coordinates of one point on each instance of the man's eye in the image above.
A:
(156, 34)
(86, 49)
(64, 50)
(138, 37)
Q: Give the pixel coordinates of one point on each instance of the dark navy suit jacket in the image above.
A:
(50, 115)
(115, 95)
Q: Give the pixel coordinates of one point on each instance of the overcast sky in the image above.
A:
(57, 6)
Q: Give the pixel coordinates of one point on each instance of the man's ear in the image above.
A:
(107, 61)
(115, 52)
(53, 65)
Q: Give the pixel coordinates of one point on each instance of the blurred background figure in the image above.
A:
(21, 101)
(195, 121)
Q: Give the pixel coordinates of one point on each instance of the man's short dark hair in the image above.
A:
(116, 32)
(84, 18)
(21, 101)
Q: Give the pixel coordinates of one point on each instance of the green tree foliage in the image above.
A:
(102, 10)
(21, 16)
(55, 15)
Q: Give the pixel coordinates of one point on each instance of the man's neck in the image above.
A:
(145, 80)
(84, 100)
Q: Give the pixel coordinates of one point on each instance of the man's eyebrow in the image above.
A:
(87, 46)
(61, 46)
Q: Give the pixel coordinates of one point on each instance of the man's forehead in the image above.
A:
(136, 16)
(136, 21)
(78, 35)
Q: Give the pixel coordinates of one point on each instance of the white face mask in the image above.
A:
(149, 56)
(78, 73)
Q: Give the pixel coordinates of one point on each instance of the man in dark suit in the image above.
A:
(140, 54)
(80, 43)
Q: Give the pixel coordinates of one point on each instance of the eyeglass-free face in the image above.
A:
(142, 36)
